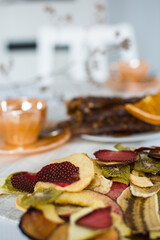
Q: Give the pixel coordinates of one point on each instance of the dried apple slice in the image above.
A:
(146, 191)
(141, 214)
(140, 181)
(100, 184)
(35, 225)
(103, 164)
(50, 213)
(116, 190)
(65, 211)
(97, 219)
(72, 173)
(117, 156)
(87, 198)
(81, 165)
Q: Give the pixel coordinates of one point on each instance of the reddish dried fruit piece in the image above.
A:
(98, 219)
(116, 190)
(24, 181)
(117, 156)
(61, 174)
(142, 149)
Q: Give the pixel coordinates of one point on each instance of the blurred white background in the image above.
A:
(20, 21)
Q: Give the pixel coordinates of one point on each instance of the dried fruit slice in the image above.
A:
(117, 156)
(86, 174)
(110, 233)
(117, 171)
(120, 180)
(77, 232)
(146, 109)
(60, 233)
(20, 182)
(154, 154)
(154, 235)
(50, 213)
(116, 190)
(103, 164)
(143, 149)
(34, 225)
(140, 181)
(141, 214)
(119, 224)
(65, 211)
(100, 184)
(87, 198)
(147, 165)
(41, 197)
(120, 147)
(145, 192)
(61, 174)
(97, 219)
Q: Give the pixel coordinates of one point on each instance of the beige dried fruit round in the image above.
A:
(86, 174)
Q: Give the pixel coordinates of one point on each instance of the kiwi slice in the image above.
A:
(147, 165)
(8, 185)
(120, 171)
(40, 197)
(120, 180)
(120, 147)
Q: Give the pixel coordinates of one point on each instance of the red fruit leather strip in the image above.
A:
(116, 190)
(117, 156)
(98, 219)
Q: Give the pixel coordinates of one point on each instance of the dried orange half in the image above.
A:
(147, 109)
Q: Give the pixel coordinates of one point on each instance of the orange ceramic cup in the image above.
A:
(21, 120)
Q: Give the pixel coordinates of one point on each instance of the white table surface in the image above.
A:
(9, 216)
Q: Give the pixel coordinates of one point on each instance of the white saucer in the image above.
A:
(132, 138)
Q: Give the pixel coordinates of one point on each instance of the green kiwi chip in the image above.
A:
(120, 171)
(8, 185)
(40, 197)
(120, 147)
(120, 180)
(147, 165)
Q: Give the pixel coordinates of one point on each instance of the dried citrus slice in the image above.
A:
(146, 109)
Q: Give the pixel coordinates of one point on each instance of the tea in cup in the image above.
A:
(21, 120)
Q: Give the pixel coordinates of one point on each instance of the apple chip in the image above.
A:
(140, 181)
(77, 165)
(100, 184)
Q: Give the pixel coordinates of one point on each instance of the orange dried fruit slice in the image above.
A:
(146, 109)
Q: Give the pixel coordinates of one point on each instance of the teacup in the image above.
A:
(21, 120)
